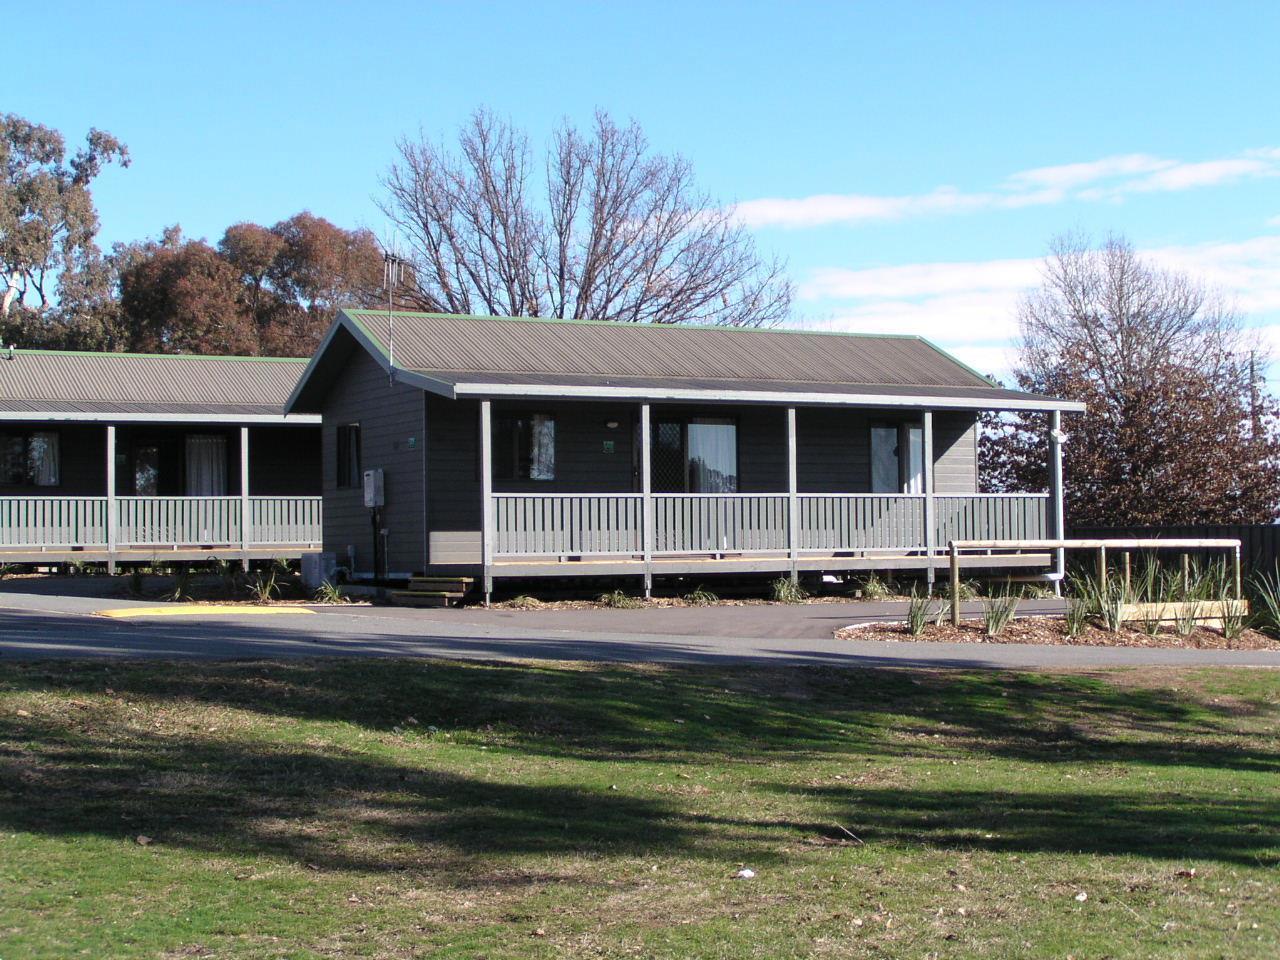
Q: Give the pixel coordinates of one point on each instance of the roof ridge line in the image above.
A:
(646, 325)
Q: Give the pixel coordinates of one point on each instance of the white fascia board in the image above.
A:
(758, 396)
(68, 416)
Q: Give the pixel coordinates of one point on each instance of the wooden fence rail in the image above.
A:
(81, 522)
(720, 523)
(566, 524)
(861, 521)
(562, 524)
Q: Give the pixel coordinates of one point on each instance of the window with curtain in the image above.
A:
(206, 465)
(30, 459)
(524, 447)
(713, 456)
(699, 455)
(348, 453)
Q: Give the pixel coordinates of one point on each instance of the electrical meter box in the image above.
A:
(374, 495)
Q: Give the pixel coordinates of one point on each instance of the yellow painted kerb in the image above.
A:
(198, 610)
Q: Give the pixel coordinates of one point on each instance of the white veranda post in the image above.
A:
(927, 481)
(486, 496)
(1056, 505)
(112, 514)
(646, 492)
(245, 523)
(793, 499)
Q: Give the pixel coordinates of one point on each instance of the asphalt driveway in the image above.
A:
(39, 625)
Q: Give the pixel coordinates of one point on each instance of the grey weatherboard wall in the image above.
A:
(391, 437)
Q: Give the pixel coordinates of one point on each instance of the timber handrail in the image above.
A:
(956, 547)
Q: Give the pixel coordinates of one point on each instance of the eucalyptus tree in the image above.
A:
(48, 221)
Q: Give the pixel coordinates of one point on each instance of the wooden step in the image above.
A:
(447, 584)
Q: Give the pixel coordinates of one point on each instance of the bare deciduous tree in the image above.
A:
(1178, 428)
(606, 230)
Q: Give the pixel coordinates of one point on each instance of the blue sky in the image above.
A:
(910, 161)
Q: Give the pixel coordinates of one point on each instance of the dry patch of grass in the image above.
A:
(414, 808)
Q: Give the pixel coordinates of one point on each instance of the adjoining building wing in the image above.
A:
(84, 386)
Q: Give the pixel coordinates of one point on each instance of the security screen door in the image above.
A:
(699, 455)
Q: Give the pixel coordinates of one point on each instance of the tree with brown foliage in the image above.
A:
(314, 269)
(1178, 428)
(597, 228)
(182, 296)
(269, 291)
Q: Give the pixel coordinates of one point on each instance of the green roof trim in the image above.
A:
(960, 363)
(624, 323)
(35, 351)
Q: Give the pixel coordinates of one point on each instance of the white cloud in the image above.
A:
(1069, 175)
(920, 279)
(1108, 178)
(993, 361)
(1248, 271)
(970, 308)
(854, 208)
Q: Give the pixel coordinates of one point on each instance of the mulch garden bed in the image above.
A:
(1052, 630)
(533, 603)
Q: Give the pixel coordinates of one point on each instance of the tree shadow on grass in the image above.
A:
(325, 807)
(97, 765)
(699, 714)
(1178, 826)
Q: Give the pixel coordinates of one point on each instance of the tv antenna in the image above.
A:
(392, 277)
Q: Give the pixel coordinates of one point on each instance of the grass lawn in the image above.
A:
(429, 808)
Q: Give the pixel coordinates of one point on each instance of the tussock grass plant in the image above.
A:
(873, 587)
(921, 610)
(328, 593)
(786, 590)
(1234, 623)
(620, 600)
(701, 597)
(998, 610)
(1077, 616)
(1184, 621)
(265, 589)
(1106, 598)
(1266, 593)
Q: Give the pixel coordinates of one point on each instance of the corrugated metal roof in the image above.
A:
(69, 382)
(441, 343)
(501, 356)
